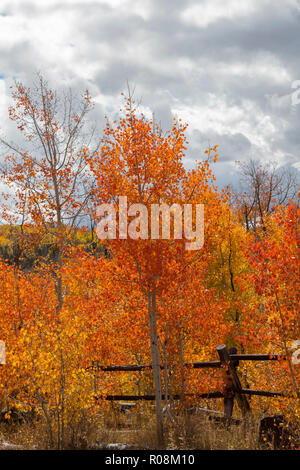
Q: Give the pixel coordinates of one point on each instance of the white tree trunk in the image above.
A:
(156, 366)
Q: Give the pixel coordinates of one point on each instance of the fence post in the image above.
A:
(228, 393)
(230, 368)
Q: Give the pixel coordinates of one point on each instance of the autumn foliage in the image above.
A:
(134, 300)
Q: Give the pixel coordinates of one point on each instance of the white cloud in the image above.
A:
(208, 12)
(225, 67)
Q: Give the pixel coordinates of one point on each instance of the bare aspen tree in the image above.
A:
(264, 187)
(46, 172)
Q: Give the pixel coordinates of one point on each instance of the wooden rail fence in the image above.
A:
(229, 361)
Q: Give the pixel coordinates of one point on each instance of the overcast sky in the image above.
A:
(226, 67)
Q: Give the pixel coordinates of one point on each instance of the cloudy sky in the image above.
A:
(228, 68)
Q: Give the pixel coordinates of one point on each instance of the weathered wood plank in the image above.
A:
(132, 368)
(227, 362)
(257, 357)
(246, 391)
(152, 397)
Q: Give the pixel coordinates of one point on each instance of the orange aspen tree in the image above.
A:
(137, 161)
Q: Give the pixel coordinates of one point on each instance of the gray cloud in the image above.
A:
(224, 67)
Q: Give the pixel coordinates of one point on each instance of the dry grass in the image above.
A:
(138, 432)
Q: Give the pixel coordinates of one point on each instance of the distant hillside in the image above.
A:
(25, 247)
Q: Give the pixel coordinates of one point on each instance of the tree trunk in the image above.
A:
(156, 367)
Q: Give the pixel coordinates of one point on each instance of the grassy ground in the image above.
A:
(133, 431)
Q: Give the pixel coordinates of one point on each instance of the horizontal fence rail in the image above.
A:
(229, 361)
(257, 357)
(192, 365)
(139, 367)
(262, 393)
(152, 397)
